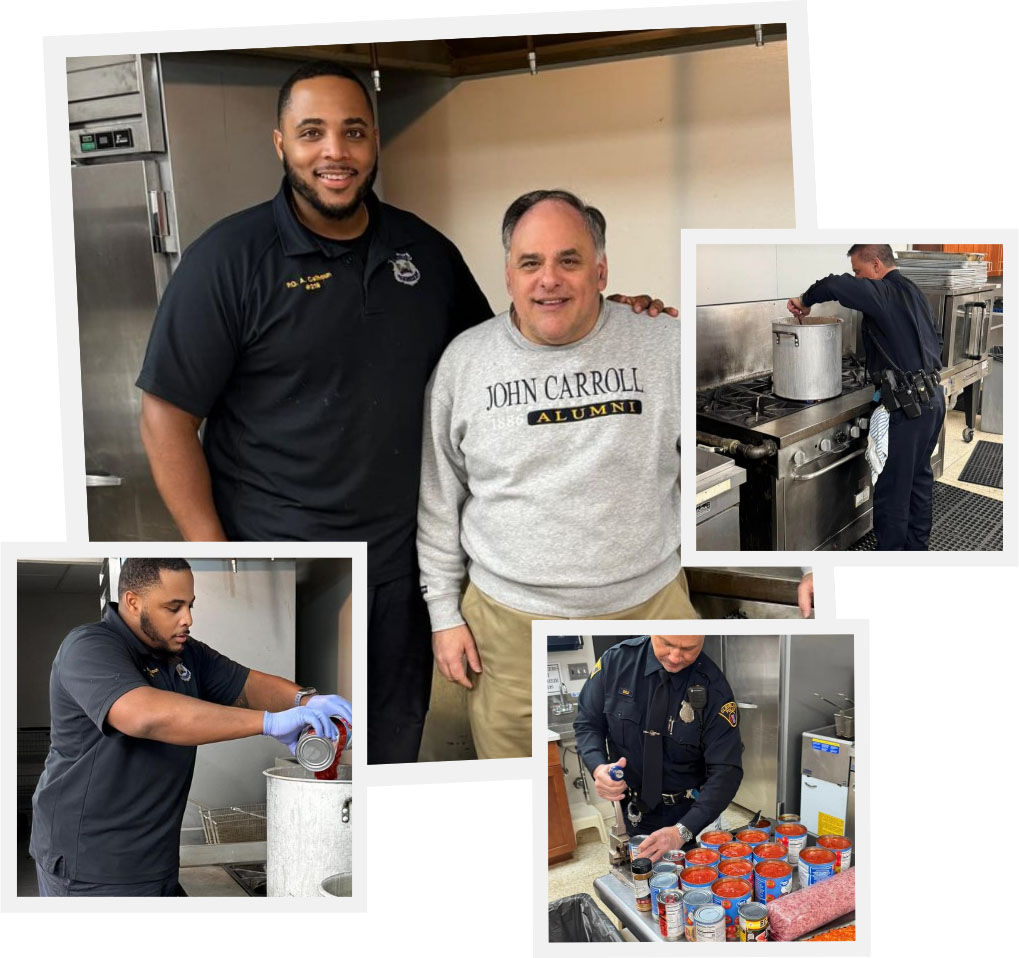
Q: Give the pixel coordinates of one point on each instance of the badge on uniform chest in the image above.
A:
(183, 672)
(686, 712)
(404, 269)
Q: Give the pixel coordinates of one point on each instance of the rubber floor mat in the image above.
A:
(962, 521)
(984, 465)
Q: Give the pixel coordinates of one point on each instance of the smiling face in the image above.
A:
(328, 144)
(676, 652)
(554, 275)
(161, 615)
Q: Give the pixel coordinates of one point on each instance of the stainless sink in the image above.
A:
(561, 728)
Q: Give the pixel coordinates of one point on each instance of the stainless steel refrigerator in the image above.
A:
(161, 147)
(774, 678)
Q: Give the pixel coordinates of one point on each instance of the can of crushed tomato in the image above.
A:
(772, 879)
(320, 754)
(714, 839)
(815, 865)
(793, 836)
(842, 847)
(703, 856)
(730, 893)
(670, 914)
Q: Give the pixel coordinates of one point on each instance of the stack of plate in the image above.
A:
(932, 270)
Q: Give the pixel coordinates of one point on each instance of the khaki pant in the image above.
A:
(499, 705)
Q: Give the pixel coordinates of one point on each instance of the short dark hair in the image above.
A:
(868, 251)
(317, 68)
(137, 575)
(593, 218)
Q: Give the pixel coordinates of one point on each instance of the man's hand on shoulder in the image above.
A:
(451, 648)
(645, 301)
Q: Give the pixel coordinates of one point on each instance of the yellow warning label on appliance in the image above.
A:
(715, 490)
(830, 825)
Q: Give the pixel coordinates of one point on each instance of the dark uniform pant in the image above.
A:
(904, 490)
(399, 670)
(657, 818)
(54, 886)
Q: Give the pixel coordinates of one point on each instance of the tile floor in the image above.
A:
(957, 453)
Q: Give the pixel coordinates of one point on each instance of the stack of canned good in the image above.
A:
(720, 890)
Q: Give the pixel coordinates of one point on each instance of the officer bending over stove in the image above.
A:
(672, 724)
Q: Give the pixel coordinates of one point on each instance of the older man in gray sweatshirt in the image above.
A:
(550, 472)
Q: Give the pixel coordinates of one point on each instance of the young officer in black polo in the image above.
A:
(672, 723)
(130, 699)
(898, 335)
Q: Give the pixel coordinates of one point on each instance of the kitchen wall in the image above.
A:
(659, 143)
(571, 762)
(248, 615)
(747, 273)
(324, 626)
(44, 619)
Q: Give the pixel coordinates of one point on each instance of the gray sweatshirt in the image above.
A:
(550, 474)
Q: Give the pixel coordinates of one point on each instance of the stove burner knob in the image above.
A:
(825, 445)
(799, 457)
(863, 422)
(854, 431)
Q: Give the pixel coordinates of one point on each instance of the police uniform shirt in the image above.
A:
(108, 807)
(310, 368)
(614, 704)
(896, 316)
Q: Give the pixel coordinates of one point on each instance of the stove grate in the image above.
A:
(963, 521)
(984, 466)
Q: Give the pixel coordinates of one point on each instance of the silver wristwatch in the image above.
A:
(301, 693)
(684, 833)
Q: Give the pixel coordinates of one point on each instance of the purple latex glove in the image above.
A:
(287, 726)
(333, 705)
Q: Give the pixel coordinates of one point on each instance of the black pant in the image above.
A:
(399, 670)
(657, 818)
(904, 490)
(54, 886)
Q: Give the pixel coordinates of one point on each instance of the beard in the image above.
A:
(160, 646)
(340, 211)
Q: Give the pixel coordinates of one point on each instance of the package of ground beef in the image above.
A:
(801, 912)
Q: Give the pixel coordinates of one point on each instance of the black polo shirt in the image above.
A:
(108, 807)
(705, 753)
(896, 319)
(310, 368)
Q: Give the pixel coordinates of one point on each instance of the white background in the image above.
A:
(892, 84)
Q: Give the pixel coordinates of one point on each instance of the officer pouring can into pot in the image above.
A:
(658, 708)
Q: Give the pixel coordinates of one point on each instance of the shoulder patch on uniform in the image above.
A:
(730, 713)
(597, 668)
(623, 691)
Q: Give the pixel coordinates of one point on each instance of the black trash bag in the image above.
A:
(578, 918)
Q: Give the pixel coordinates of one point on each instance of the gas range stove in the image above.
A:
(808, 484)
(751, 404)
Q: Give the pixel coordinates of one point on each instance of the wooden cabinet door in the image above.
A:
(561, 840)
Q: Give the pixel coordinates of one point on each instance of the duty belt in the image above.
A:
(669, 798)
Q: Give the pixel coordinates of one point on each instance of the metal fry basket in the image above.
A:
(237, 823)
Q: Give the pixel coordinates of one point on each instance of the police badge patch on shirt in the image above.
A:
(404, 269)
(730, 713)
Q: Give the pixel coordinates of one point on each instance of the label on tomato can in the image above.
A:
(670, 914)
(634, 843)
(793, 836)
(709, 923)
(771, 880)
(842, 847)
(692, 900)
(662, 881)
(753, 921)
(815, 865)
(730, 893)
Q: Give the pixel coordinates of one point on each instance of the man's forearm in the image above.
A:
(179, 719)
(180, 470)
(268, 693)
